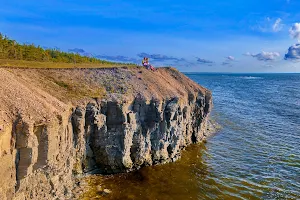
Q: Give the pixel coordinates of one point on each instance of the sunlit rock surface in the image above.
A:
(53, 128)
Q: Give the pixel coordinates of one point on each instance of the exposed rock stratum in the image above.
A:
(58, 124)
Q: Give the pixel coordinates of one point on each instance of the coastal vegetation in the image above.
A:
(14, 54)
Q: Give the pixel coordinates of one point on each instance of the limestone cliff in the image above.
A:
(58, 124)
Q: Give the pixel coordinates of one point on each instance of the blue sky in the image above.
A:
(194, 35)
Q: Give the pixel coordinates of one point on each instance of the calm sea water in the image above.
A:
(256, 154)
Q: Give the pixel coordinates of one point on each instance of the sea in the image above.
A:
(254, 155)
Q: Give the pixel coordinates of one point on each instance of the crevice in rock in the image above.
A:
(41, 134)
(17, 168)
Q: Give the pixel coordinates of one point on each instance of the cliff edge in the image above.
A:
(56, 124)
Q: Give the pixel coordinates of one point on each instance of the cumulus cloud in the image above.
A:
(204, 61)
(295, 31)
(229, 61)
(118, 58)
(293, 53)
(230, 58)
(160, 57)
(264, 56)
(77, 50)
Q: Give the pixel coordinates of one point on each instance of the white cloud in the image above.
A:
(277, 26)
(293, 53)
(204, 61)
(268, 25)
(230, 58)
(264, 56)
(295, 31)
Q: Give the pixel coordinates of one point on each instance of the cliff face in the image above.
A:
(46, 140)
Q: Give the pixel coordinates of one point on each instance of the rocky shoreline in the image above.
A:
(92, 185)
(121, 132)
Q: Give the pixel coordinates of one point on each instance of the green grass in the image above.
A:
(55, 65)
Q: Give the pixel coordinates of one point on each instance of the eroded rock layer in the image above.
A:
(40, 157)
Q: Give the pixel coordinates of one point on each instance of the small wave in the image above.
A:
(250, 77)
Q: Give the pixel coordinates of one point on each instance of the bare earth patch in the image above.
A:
(40, 93)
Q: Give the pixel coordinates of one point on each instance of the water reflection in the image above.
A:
(181, 180)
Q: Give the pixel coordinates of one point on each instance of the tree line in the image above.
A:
(10, 49)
